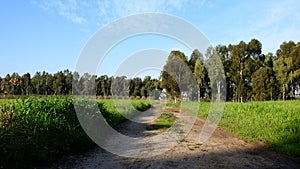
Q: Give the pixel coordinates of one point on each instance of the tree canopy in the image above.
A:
(249, 74)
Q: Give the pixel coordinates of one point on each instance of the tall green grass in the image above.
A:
(112, 110)
(38, 130)
(276, 123)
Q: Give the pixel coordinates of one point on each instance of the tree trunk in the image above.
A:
(271, 95)
(199, 89)
(219, 91)
(283, 93)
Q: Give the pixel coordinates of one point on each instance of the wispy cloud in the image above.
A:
(279, 24)
(272, 23)
(113, 9)
(104, 11)
(69, 9)
(279, 13)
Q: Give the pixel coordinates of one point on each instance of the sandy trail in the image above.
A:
(222, 150)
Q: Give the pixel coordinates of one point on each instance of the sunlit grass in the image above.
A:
(37, 130)
(163, 122)
(276, 123)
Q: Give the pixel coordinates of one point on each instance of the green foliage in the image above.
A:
(173, 104)
(176, 75)
(38, 130)
(238, 62)
(264, 88)
(196, 55)
(200, 73)
(287, 67)
(275, 123)
(111, 112)
(141, 105)
(163, 122)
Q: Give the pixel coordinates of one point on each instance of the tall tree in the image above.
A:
(99, 87)
(48, 83)
(5, 86)
(245, 59)
(196, 55)
(148, 86)
(135, 87)
(175, 77)
(59, 83)
(26, 85)
(105, 85)
(200, 73)
(270, 60)
(69, 77)
(286, 71)
(88, 84)
(264, 84)
(16, 83)
(37, 83)
(120, 86)
(76, 85)
(216, 74)
(224, 54)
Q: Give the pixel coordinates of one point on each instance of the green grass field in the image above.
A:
(110, 109)
(276, 123)
(163, 122)
(38, 130)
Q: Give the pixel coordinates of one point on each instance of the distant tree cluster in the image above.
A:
(249, 74)
(43, 83)
(61, 83)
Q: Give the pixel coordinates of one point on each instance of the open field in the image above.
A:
(45, 129)
(276, 123)
(40, 130)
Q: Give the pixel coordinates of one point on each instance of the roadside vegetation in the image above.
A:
(39, 130)
(276, 123)
(163, 122)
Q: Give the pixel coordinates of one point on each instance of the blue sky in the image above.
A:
(37, 35)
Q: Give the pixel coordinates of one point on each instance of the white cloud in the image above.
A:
(104, 11)
(281, 23)
(68, 9)
(277, 13)
(112, 9)
(273, 23)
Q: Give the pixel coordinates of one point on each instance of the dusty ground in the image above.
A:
(222, 150)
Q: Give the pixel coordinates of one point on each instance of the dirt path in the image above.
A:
(222, 150)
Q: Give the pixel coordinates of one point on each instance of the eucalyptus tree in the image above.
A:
(175, 75)
(15, 83)
(26, 85)
(200, 73)
(287, 67)
(216, 74)
(264, 84)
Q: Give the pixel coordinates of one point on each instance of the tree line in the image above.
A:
(249, 75)
(60, 83)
